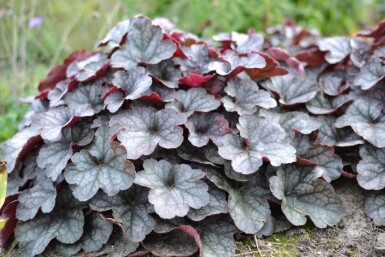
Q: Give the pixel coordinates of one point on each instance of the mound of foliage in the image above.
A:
(161, 142)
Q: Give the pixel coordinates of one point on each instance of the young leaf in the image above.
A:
(366, 119)
(151, 49)
(260, 138)
(174, 188)
(134, 82)
(145, 127)
(65, 223)
(166, 73)
(233, 63)
(103, 165)
(86, 94)
(130, 208)
(55, 96)
(304, 194)
(114, 101)
(247, 205)
(371, 168)
(244, 97)
(338, 48)
(206, 126)
(242, 43)
(193, 100)
(334, 83)
(197, 61)
(86, 70)
(116, 34)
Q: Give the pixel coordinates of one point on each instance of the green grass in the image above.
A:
(26, 55)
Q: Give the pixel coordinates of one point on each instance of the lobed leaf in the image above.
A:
(144, 44)
(174, 188)
(304, 194)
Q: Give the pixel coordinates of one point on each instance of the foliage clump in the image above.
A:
(161, 142)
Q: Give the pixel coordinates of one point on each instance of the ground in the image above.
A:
(355, 236)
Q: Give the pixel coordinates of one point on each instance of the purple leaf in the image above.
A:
(103, 166)
(145, 127)
(304, 194)
(174, 188)
(366, 119)
(259, 138)
(144, 44)
(206, 126)
(244, 97)
(294, 89)
(233, 63)
(370, 74)
(371, 168)
(193, 100)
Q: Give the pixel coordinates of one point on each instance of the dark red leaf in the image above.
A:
(196, 80)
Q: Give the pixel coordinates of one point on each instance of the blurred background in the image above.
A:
(37, 34)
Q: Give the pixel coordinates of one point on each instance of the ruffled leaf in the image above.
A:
(217, 204)
(51, 123)
(329, 135)
(174, 188)
(206, 126)
(294, 89)
(145, 127)
(134, 82)
(375, 208)
(366, 119)
(259, 138)
(337, 47)
(369, 75)
(65, 223)
(193, 100)
(166, 73)
(151, 49)
(247, 205)
(371, 168)
(244, 97)
(304, 194)
(130, 208)
(233, 63)
(53, 157)
(103, 165)
(41, 196)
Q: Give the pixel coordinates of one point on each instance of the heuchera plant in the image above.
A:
(161, 142)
